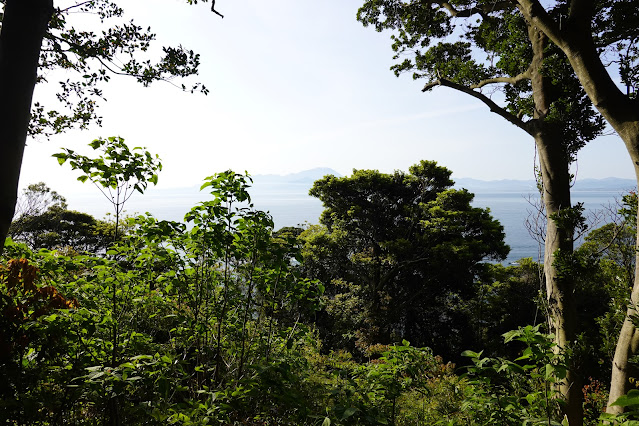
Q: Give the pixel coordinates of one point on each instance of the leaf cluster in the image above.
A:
(395, 251)
(91, 42)
(486, 47)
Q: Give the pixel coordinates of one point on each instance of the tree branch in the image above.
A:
(526, 75)
(485, 99)
(580, 12)
(60, 11)
(482, 10)
(536, 15)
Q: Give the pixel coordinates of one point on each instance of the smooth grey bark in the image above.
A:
(559, 289)
(574, 38)
(554, 161)
(24, 25)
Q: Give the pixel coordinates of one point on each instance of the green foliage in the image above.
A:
(93, 50)
(506, 298)
(520, 391)
(604, 271)
(117, 173)
(183, 326)
(211, 321)
(385, 389)
(59, 228)
(42, 220)
(210, 324)
(117, 168)
(398, 253)
(495, 51)
(38, 198)
(629, 417)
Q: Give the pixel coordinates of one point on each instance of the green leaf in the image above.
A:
(62, 158)
(631, 398)
(510, 335)
(550, 369)
(349, 412)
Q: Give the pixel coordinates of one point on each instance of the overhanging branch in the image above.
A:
(526, 75)
(485, 99)
(482, 10)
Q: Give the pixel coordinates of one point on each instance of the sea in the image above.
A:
(513, 203)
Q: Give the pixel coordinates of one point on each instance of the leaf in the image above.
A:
(510, 335)
(631, 398)
(96, 374)
(62, 158)
(83, 178)
(326, 422)
(550, 369)
(349, 412)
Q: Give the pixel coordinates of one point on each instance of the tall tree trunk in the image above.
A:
(622, 114)
(24, 25)
(628, 341)
(559, 289)
(554, 161)
(574, 38)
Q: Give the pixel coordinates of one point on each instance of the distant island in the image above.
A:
(305, 176)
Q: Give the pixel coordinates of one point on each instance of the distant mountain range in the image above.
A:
(306, 176)
(508, 185)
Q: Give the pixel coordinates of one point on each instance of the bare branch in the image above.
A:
(74, 6)
(526, 75)
(482, 10)
(485, 99)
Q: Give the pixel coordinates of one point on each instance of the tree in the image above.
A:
(500, 51)
(606, 271)
(411, 245)
(585, 31)
(118, 173)
(60, 228)
(38, 198)
(36, 36)
(43, 220)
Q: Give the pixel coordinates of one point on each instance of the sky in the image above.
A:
(294, 85)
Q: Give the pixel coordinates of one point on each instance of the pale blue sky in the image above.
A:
(297, 84)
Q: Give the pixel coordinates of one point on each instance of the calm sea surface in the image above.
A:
(514, 209)
(291, 205)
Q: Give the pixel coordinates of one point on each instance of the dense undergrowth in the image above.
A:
(214, 321)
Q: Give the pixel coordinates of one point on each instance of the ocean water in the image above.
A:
(290, 205)
(515, 209)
